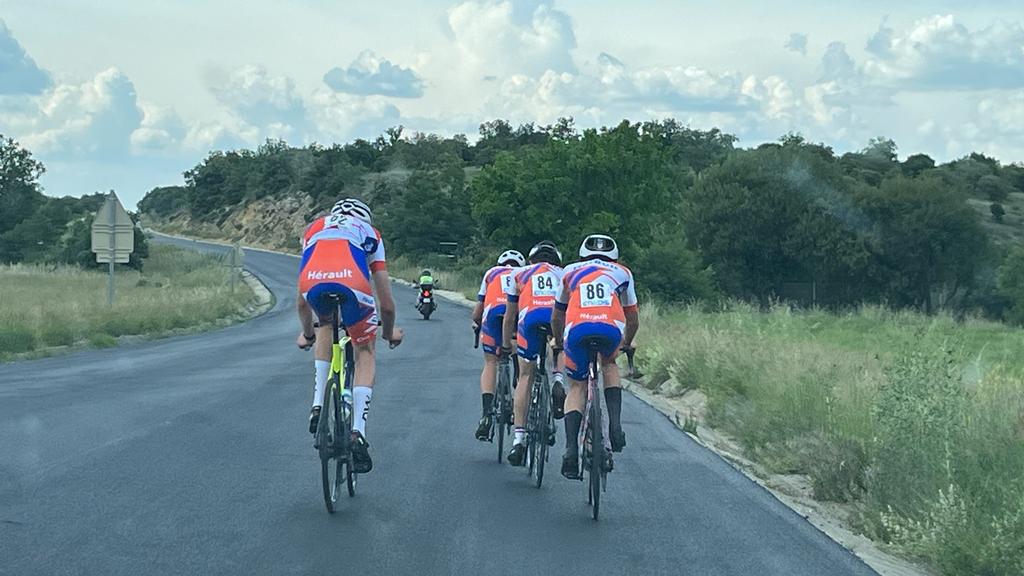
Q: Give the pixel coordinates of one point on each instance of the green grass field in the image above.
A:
(42, 307)
(918, 421)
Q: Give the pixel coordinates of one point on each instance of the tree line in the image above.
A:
(698, 217)
(35, 228)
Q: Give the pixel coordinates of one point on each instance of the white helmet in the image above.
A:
(599, 245)
(511, 256)
(355, 208)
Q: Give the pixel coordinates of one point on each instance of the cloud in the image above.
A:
(836, 64)
(939, 53)
(369, 75)
(18, 72)
(95, 119)
(267, 102)
(161, 131)
(1003, 114)
(797, 43)
(507, 37)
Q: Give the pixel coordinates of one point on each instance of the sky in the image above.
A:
(128, 94)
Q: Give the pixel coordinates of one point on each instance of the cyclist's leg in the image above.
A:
(613, 391)
(575, 359)
(490, 332)
(362, 329)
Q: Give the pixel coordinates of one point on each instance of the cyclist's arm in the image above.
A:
(478, 313)
(509, 324)
(382, 287)
(632, 315)
(305, 314)
(558, 324)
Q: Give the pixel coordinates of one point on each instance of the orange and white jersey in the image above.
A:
(343, 250)
(534, 286)
(596, 291)
(493, 286)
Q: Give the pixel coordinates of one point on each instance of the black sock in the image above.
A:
(488, 401)
(573, 421)
(613, 399)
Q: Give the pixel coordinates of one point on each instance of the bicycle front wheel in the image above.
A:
(545, 427)
(332, 470)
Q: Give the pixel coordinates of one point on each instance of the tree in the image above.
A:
(19, 183)
(915, 164)
(993, 188)
(929, 239)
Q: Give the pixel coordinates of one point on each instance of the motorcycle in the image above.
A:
(426, 304)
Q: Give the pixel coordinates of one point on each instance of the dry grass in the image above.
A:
(918, 421)
(47, 306)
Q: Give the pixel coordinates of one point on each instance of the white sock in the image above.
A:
(519, 436)
(323, 371)
(361, 395)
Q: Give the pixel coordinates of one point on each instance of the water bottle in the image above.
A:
(346, 405)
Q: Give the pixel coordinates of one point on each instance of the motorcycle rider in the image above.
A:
(426, 283)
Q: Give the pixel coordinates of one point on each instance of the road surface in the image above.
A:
(190, 455)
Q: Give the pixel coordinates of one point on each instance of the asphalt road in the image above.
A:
(190, 455)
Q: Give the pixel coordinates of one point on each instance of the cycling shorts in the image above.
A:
(490, 330)
(576, 353)
(528, 337)
(358, 316)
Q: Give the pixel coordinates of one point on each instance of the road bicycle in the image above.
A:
(501, 408)
(540, 420)
(333, 439)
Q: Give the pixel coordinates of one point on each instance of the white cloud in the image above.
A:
(507, 37)
(19, 74)
(369, 75)
(161, 130)
(940, 53)
(265, 101)
(1003, 114)
(93, 119)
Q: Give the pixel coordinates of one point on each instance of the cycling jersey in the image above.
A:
(339, 253)
(492, 294)
(534, 287)
(594, 294)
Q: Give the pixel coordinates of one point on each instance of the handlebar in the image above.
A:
(630, 354)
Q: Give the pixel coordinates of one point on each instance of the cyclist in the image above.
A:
(598, 298)
(343, 253)
(531, 295)
(487, 315)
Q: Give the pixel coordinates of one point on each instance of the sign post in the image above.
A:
(113, 238)
(237, 255)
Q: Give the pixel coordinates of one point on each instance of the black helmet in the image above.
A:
(425, 272)
(546, 251)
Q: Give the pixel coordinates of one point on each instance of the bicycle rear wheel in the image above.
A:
(597, 454)
(332, 470)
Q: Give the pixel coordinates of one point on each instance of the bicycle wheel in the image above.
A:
(544, 426)
(331, 466)
(597, 454)
(345, 423)
(499, 413)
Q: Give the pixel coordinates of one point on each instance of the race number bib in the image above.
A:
(545, 285)
(335, 221)
(507, 281)
(594, 294)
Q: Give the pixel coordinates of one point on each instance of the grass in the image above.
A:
(47, 306)
(917, 421)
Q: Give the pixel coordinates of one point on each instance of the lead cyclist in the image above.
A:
(341, 254)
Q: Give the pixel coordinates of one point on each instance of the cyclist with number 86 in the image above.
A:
(597, 300)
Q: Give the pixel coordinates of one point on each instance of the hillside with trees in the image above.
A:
(698, 217)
